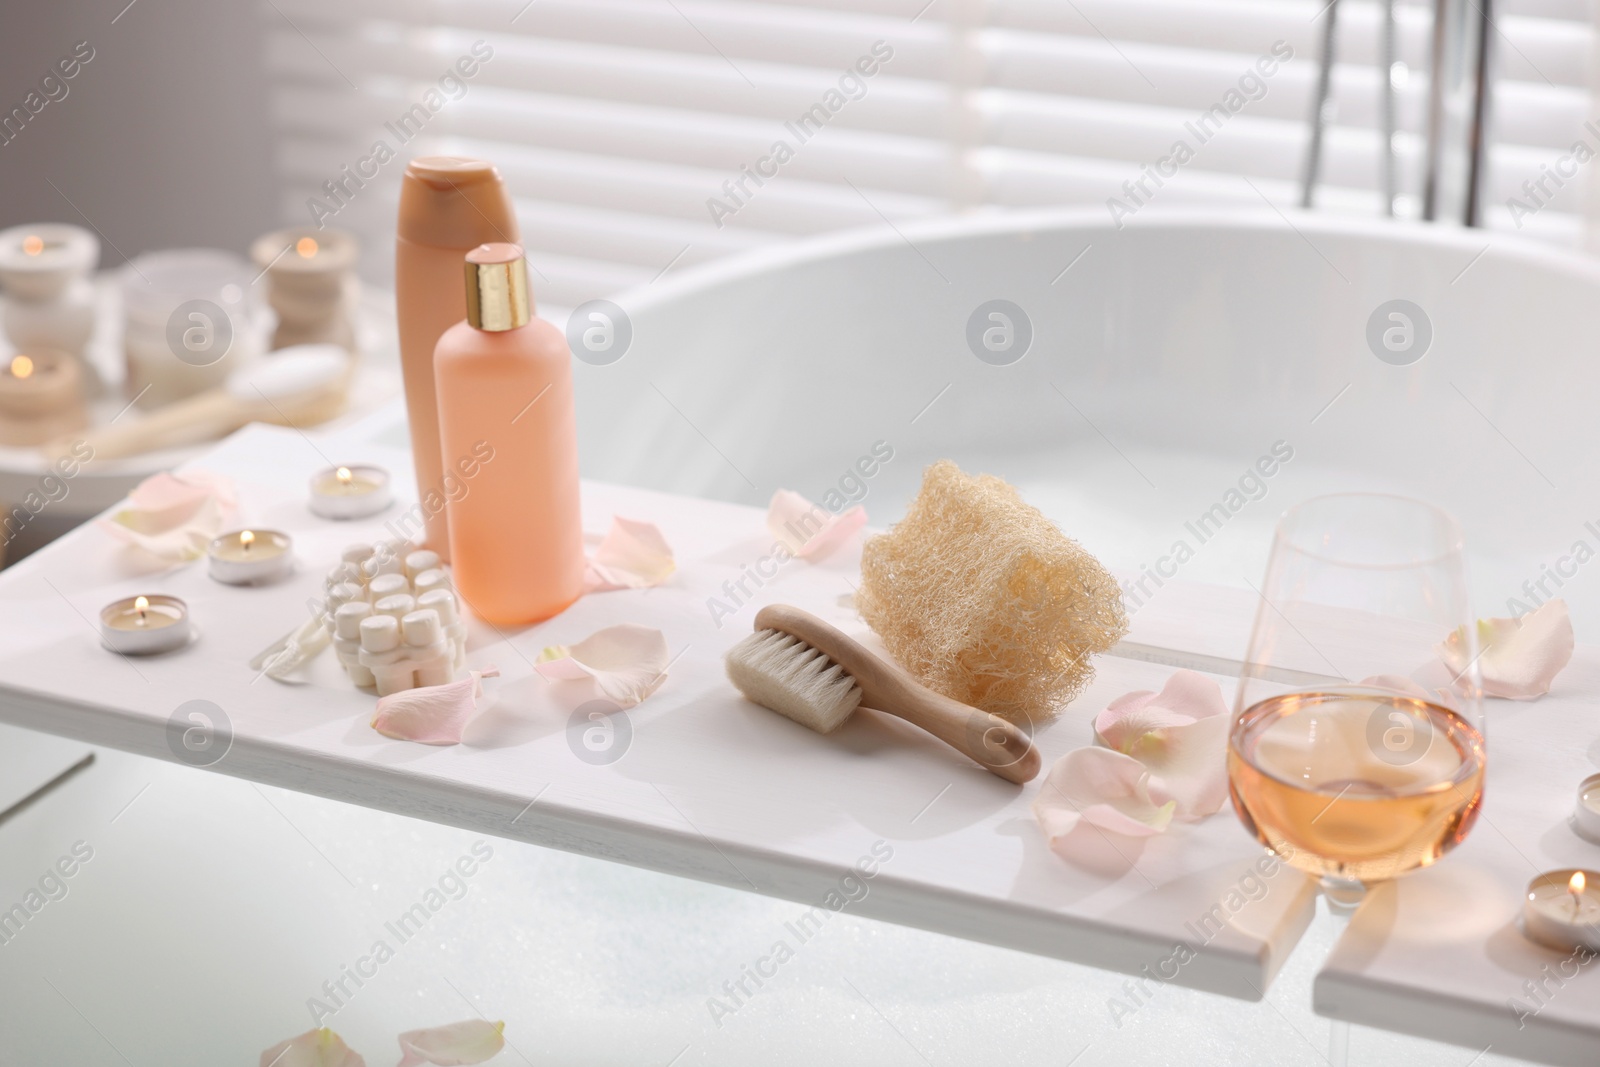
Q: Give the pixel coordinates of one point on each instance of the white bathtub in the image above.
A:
(1166, 360)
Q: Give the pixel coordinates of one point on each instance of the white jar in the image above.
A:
(188, 323)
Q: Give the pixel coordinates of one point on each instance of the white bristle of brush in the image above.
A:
(782, 672)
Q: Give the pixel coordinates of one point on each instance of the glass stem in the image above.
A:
(1344, 895)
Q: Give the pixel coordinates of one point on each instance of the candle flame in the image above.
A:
(21, 367)
(247, 539)
(33, 244)
(1577, 884)
(344, 475)
(140, 603)
(306, 246)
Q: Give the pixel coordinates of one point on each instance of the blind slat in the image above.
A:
(618, 123)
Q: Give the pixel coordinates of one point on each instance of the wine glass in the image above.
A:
(1356, 754)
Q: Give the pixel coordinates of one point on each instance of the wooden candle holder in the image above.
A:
(311, 284)
(41, 398)
(44, 270)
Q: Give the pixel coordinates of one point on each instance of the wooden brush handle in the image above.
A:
(188, 421)
(203, 417)
(999, 746)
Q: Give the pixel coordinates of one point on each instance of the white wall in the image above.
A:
(162, 138)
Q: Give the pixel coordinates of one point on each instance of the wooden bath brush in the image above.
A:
(801, 667)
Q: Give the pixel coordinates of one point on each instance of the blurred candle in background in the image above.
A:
(311, 284)
(44, 272)
(41, 397)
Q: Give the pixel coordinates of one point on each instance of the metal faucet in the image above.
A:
(1459, 84)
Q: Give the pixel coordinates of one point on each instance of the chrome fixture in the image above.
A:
(1320, 101)
(1459, 85)
(1387, 55)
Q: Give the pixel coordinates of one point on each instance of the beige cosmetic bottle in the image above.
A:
(505, 395)
(449, 205)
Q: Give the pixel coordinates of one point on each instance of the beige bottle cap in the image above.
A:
(497, 287)
(454, 202)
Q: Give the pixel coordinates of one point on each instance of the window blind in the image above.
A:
(641, 136)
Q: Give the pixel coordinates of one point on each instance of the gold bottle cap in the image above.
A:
(497, 287)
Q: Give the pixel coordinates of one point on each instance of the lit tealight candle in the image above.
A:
(350, 492)
(1562, 910)
(250, 557)
(1586, 816)
(145, 625)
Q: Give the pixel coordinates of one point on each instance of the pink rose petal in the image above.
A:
(1432, 681)
(1399, 683)
(1519, 658)
(623, 664)
(1180, 735)
(433, 714)
(174, 516)
(467, 1042)
(633, 555)
(1104, 788)
(314, 1048)
(178, 492)
(810, 530)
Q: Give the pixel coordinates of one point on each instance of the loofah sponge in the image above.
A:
(983, 599)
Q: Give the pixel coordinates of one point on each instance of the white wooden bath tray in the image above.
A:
(707, 785)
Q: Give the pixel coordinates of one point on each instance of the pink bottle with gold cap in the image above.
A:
(505, 392)
(449, 205)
